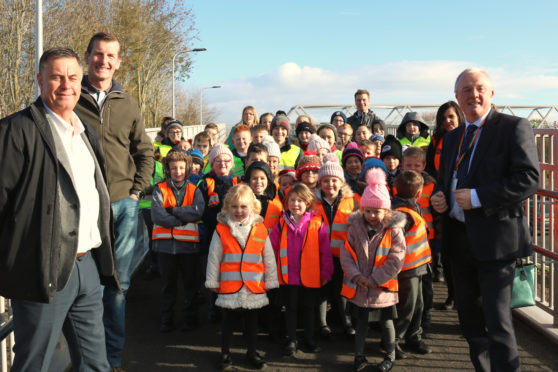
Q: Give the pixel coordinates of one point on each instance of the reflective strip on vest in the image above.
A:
(188, 232)
(417, 252)
(242, 267)
(424, 204)
(238, 166)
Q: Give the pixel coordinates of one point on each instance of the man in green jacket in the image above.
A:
(128, 151)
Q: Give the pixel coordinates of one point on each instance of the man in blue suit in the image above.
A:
(488, 168)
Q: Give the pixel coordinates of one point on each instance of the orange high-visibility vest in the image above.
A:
(213, 196)
(438, 152)
(424, 204)
(349, 288)
(309, 259)
(273, 213)
(188, 232)
(417, 252)
(338, 230)
(242, 267)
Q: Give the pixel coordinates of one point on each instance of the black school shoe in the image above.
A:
(385, 366)
(360, 363)
(290, 348)
(256, 361)
(399, 353)
(419, 347)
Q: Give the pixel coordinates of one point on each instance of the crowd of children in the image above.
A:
(276, 226)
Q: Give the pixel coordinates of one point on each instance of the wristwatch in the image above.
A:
(137, 193)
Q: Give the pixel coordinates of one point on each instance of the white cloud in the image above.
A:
(395, 83)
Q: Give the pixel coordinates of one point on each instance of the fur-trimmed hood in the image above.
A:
(396, 219)
(222, 217)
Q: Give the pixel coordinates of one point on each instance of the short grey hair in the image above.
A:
(55, 53)
(467, 71)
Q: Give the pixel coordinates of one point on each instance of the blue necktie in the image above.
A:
(464, 165)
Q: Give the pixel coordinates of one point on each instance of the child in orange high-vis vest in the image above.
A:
(371, 259)
(336, 201)
(176, 208)
(304, 263)
(241, 268)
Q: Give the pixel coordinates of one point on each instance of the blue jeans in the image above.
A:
(125, 217)
(75, 310)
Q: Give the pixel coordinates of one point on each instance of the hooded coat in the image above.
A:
(423, 139)
(365, 248)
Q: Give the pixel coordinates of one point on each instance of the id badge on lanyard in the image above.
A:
(454, 181)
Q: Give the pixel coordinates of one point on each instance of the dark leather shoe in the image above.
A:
(290, 348)
(310, 347)
(226, 361)
(350, 331)
(256, 361)
(326, 333)
(448, 305)
(418, 347)
(385, 366)
(399, 353)
(360, 363)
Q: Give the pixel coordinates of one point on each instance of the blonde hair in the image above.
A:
(303, 192)
(241, 194)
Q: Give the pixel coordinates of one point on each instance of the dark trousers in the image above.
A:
(230, 318)
(483, 295)
(77, 311)
(307, 298)
(332, 292)
(409, 310)
(171, 267)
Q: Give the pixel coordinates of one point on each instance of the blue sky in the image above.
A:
(274, 55)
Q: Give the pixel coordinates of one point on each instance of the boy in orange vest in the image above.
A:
(414, 158)
(408, 186)
(177, 206)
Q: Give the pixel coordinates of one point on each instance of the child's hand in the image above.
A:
(216, 290)
(363, 282)
(324, 282)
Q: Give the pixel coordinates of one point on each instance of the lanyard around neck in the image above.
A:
(470, 146)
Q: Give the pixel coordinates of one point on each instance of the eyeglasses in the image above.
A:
(175, 132)
(223, 161)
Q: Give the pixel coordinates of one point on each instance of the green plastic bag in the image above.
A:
(523, 293)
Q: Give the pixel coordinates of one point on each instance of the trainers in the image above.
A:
(419, 347)
(385, 366)
(290, 348)
(226, 361)
(350, 331)
(256, 361)
(399, 353)
(360, 363)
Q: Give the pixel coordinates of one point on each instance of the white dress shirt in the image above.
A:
(83, 171)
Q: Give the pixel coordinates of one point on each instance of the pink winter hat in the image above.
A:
(376, 194)
(316, 143)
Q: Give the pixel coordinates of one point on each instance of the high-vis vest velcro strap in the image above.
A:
(338, 230)
(417, 252)
(213, 196)
(349, 288)
(242, 267)
(273, 213)
(309, 259)
(188, 232)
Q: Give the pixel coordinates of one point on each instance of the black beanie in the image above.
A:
(392, 146)
(304, 126)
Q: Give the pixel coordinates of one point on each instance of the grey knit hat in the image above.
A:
(331, 168)
(272, 147)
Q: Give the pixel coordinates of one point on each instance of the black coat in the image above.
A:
(504, 171)
(38, 241)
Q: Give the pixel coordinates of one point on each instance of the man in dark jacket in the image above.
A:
(55, 223)
(116, 118)
(363, 115)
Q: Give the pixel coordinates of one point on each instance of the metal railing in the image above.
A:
(6, 335)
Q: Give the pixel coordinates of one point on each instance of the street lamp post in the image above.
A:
(173, 59)
(201, 100)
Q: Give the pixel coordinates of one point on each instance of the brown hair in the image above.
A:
(202, 136)
(408, 183)
(102, 36)
(177, 155)
(362, 91)
(259, 128)
(211, 126)
(304, 193)
(256, 118)
(56, 53)
(415, 152)
(256, 148)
